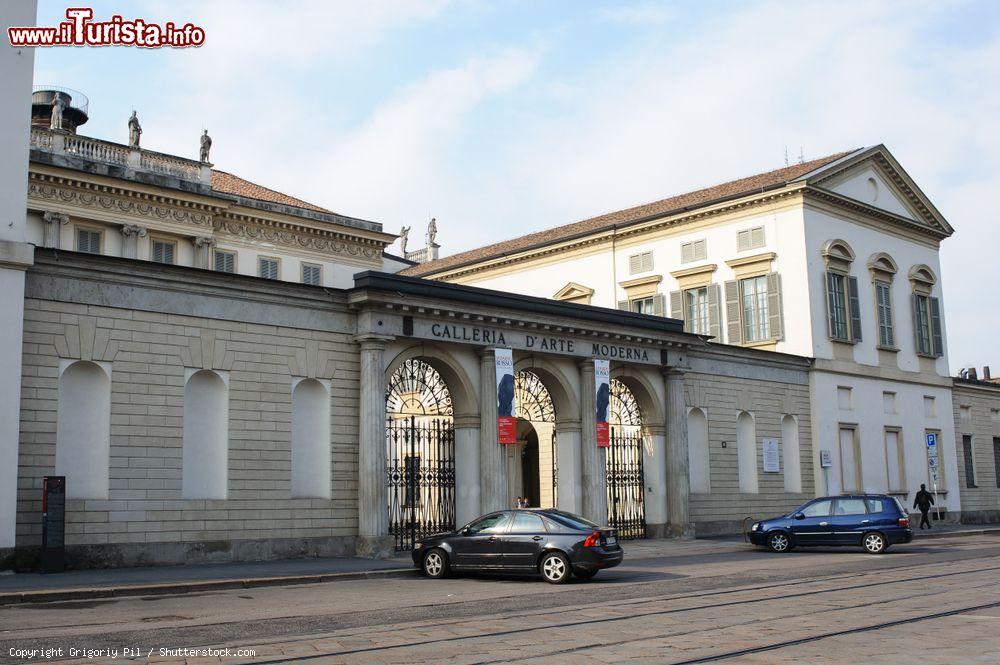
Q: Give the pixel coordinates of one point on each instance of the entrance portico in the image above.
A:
(454, 331)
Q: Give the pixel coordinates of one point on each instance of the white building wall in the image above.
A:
(866, 241)
(866, 412)
(16, 68)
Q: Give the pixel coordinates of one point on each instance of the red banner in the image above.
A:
(506, 420)
(602, 387)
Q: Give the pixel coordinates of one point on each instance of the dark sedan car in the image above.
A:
(546, 541)
(873, 521)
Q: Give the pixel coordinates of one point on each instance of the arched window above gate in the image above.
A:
(417, 389)
(532, 399)
(625, 410)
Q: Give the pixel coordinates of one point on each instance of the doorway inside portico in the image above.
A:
(531, 463)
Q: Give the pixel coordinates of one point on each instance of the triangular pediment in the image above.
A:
(572, 291)
(874, 178)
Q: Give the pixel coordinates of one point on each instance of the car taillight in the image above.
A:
(904, 521)
(593, 540)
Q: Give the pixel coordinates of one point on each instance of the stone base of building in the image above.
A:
(131, 555)
(376, 547)
(718, 528)
(979, 517)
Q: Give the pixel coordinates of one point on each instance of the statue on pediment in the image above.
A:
(206, 145)
(58, 106)
(404, 237)
(134, 130)
(432, 231)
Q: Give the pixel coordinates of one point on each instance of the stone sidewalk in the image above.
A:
(116, 582)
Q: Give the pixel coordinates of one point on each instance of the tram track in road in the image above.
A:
(624, 593)
(499, 634)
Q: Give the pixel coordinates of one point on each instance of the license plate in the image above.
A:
(611, 540)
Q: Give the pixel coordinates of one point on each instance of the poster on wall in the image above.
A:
(602, 384)
(772, 461)
(506, 420)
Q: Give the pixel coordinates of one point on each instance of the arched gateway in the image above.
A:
(420, 453)
(625, 478)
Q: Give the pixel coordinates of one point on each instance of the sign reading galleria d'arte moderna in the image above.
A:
(602, 386)
(506, 420)
(530, 342)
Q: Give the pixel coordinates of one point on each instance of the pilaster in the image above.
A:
(492, 456)
(593, 473)
(130, 240)
(678, 479)
(373, 518)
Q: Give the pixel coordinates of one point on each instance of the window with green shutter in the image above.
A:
(756, 321)
(225, 261)
(883, 308)
(696, 318)
(927, 325)
(88, 241)
(162, 251)
(267, 268)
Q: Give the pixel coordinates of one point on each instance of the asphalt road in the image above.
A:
(932, 601)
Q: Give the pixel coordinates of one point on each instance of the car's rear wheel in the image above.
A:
(585, 574)
(555, 568)
(779, 542)
(874, 543)
(436, 564)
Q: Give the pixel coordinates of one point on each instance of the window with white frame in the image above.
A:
(312, 274)
(696, 310)
(842, 296)
(927, 324)
(753, 295)
(883, 308)
(225, 261)
(88, 241)
(267, 267)
(752, 238)
(642, 262)
(163, 251)
(695, 250)
(642, 305)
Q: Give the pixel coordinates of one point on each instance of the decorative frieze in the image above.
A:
(295, 239)
(103, 200)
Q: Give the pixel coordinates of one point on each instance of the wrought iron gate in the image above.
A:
(420, 475)
(626, 511)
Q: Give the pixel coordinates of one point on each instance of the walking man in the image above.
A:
(924, 500)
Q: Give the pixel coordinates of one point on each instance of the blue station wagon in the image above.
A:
(873, 521)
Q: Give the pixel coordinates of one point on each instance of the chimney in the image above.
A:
(972, 374)
(986, 373)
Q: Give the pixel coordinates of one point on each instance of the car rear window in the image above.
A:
(850, 507)
(571, 520)
(875, 505)
(527, 523)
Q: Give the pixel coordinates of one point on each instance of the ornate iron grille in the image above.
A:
(420, 474)
(420, 454)
(624, 407)
(533, 402)
(416, 389)
(626, 484)
(626, 507)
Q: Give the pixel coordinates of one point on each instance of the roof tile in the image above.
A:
(228, 183)
(697, 198)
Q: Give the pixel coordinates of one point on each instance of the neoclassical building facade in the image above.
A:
(221, 371)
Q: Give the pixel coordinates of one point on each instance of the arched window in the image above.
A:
(310, 440)
(698, 452)
(883, 269)
(83, 430)
(927, 325)
(790, 453)
(205, 457)
(842, 295)
(746, 452)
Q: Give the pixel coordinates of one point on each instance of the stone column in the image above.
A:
(678, 480)
(52, 221)
(203, 252)
(373, 507)
(467, 490)
(130, 240)
(568, 494)
(654, 467)
(492, 456)
(593, 476)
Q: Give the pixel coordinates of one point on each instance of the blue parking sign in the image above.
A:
(932, 441)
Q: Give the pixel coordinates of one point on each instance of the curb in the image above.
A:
(950, 534)
(49, 596)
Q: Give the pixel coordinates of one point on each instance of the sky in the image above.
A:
(502, 118)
